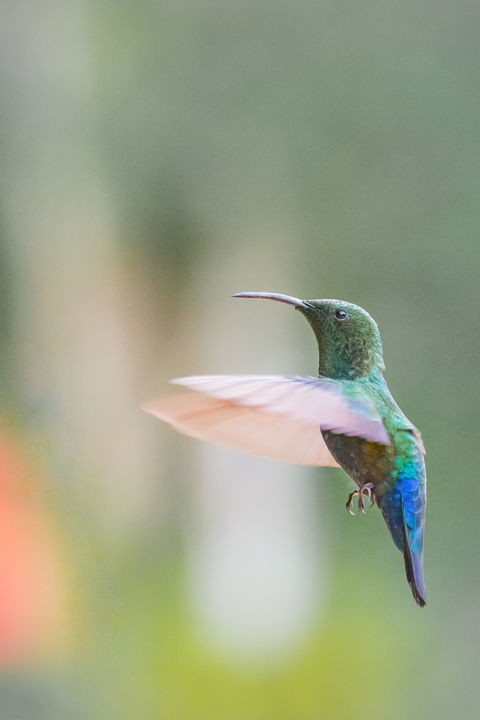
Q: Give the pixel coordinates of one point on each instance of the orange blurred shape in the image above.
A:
(32, 590)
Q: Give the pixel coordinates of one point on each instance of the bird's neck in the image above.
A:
(361, 363)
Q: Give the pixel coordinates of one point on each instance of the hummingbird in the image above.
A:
(346, 417)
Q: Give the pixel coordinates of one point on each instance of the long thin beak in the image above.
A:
(296, 302)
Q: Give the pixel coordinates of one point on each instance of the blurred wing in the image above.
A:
(268, 415)
(251, 429)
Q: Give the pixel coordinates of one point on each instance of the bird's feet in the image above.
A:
(361, 491)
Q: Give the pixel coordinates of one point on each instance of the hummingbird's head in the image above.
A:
(348, 338)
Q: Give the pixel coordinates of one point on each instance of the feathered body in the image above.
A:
(397, 472)
(354, 357)
(346, 417)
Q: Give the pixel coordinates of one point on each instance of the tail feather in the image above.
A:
(414, 571)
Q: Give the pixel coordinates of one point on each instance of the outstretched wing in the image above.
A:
(270, 415)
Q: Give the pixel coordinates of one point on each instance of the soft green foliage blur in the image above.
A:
(157, 157)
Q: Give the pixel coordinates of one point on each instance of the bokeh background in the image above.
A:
(157, 157)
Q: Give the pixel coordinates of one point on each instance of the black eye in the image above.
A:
(341, 314)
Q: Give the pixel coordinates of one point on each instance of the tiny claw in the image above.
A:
(360, 492)
(367, 490)
(348, 504)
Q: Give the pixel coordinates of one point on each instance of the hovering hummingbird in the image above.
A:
(346, 417)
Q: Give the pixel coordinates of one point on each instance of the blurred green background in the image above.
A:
(156, 158)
